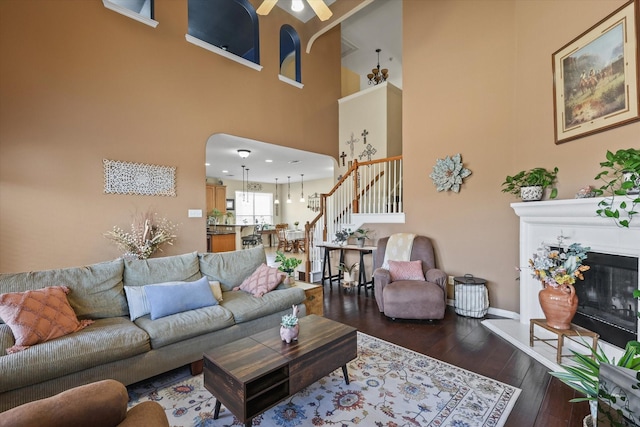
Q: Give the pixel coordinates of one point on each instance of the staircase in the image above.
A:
(369, 192)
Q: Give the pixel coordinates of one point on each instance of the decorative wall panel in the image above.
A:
(138, 178)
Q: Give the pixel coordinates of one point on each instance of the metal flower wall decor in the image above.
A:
(448, 173)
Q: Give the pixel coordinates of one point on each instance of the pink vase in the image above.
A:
(289, 334)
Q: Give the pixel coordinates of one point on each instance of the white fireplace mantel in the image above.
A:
(542, 223)
(576, 219)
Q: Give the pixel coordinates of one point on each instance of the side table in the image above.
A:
(574, 331)
(314, 301)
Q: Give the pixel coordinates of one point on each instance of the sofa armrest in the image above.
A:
(99, 404)
(438, 277)
(146, 414)
(381, 278)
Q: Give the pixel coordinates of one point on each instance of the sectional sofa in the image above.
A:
(114, 346)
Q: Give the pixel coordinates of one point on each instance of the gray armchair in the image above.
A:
(411, 299)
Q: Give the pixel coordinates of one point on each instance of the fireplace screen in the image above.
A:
(606, 303)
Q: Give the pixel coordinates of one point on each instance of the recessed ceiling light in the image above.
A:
(207, 164)
(225, 171)
(269, 161)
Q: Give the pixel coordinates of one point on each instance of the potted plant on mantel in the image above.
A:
(621, 177)
(529, 185)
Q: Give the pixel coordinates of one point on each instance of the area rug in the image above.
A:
(390, 386)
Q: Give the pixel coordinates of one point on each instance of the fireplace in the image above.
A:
(606, 302)
(606, 296)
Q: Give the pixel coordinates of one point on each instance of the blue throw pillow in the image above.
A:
(165, 300)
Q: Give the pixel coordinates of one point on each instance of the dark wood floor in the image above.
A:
(464, 342)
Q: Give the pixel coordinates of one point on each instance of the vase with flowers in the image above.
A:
(342, 236)
(557, 269)
(148, 233)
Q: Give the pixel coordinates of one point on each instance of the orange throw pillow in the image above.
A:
(38, 316)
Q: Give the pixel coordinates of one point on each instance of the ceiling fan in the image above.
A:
(318, 6)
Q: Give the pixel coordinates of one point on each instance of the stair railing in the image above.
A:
(372, 187)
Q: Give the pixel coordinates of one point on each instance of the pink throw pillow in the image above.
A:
(263, 280)
(38, 316)
(406, 270)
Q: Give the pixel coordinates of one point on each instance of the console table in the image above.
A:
(362, 275)
(574, 331)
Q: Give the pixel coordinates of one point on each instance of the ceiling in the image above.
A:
(222, 155)
(378, 25)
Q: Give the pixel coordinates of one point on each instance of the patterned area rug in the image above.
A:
(390, 386)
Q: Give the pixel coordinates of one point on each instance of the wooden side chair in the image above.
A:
(283, 243)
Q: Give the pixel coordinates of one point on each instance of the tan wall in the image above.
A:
(477, 81)
(80, 83)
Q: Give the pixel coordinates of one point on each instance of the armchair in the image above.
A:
(411, 299)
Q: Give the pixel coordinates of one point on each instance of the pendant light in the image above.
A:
(243, 194)
(302, 188)
(246, 194)
(288, 189)
(277, 202)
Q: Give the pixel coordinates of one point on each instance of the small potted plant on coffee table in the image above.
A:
(529, 185)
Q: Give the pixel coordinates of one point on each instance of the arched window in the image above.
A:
(290, 53)
(140, 10)
(231, 25)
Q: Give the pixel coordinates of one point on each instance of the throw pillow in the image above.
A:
(39, 315)
(216, 289)
(138, 301)
(165, 300)
(405, 270)
(263, 280)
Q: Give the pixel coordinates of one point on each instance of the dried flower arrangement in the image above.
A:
(148, 233)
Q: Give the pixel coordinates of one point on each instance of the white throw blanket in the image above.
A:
(398, 248)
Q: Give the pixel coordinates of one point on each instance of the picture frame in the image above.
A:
(596, 77)
(231, 204)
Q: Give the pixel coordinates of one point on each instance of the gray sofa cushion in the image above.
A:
(245, 306)
(231, 268)
(104, 341)
(183, 268)
(96, 290)
(185, 325)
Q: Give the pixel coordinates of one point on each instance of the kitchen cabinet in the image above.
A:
(216, 198)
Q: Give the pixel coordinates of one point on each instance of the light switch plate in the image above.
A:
(195, 213)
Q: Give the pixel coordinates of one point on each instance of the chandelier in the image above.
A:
(377, 75)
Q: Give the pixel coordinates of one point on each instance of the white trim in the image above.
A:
(129, 13)
(290, 81)
(333, 24)
(379, 218)
(222, 52)
(504, 313)
(363, 92)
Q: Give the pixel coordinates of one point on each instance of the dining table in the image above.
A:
(296, 237)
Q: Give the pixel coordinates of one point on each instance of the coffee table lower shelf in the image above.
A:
(251, 375)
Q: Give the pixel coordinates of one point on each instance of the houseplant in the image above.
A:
(289, 327)
(348, 272)
(530, 184)
(288, 265)
(583, 375)
(361, 235)
(621, 178)
(557, 269)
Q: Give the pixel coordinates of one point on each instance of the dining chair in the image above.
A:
(283, 243)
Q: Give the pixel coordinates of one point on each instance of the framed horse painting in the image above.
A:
(595, 77)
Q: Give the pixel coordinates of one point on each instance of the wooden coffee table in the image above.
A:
(255, 373)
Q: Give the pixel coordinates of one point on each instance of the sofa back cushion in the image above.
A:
(96, 290)
(176, 268)
(231, 268)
